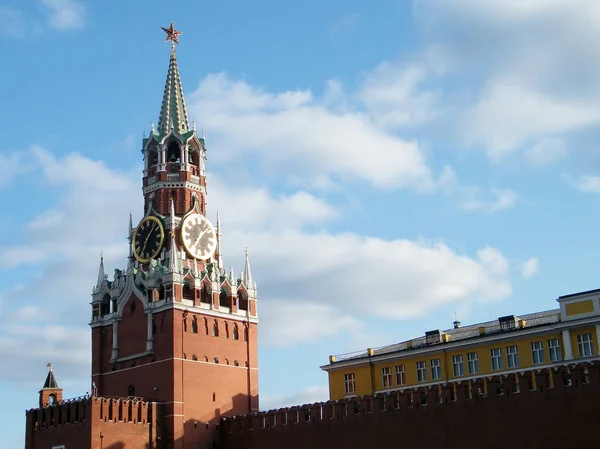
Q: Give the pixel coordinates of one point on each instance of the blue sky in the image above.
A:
(387, 166)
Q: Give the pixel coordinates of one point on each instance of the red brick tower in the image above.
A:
(50, 393)
(174, 327)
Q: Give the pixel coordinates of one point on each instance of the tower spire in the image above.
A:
(247, 272)
(173, 110)
(100, 280)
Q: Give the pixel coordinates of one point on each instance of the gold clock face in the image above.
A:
(148, 239)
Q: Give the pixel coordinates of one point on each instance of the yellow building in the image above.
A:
(510, 344)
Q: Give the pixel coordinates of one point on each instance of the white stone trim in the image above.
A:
(568, 347)
(133, 356)
(170, 359)
(201, 310)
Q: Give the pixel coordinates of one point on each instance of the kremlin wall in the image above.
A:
(548, 409)
(554, 408)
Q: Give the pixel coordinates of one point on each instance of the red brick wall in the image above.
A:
(133, 328)
(98, 424)
(547, 417)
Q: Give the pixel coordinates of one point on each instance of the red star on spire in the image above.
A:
(172, 34)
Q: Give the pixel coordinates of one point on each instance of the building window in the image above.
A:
(436, 369)
(386, 377)
(496, 354)
(458, 365)
(586, 345)
(554, 351)
(349, 384)
(537, 352)
(512, 355)
(400, 375)
(194, 325)
(215, 329)
(421, 371)
(235, 333)
(473, 362)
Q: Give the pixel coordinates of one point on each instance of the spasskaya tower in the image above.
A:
(175, 327)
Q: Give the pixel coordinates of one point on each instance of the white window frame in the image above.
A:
(386, 377)
(400, 375)
(349, 383)
(59, 447)
(473, 362)
(422, 371)
(585, 344)
(496, 358)
(436, 369)
(554, 350)
(537, 352)
(512, 356)
(458, 365)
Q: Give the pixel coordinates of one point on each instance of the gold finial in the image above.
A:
(172, 34)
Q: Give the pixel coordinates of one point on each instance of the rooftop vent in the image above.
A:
(433, 337)
(456, 324)
(508, 323)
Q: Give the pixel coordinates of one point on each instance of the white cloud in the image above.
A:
(29, 340)
(394, 96)
(546, 151)
(530, 268)
(65, 14)
(586, 183)
(293, 129)
(507, 116)
(12, 165)
(518, 74)
(502, 199)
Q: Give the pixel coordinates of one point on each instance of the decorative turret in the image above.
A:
(173, 113)
(247, 273)
(50, 393)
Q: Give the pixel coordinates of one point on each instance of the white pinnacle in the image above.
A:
(172, 255)
(247, 272)
(100, 272)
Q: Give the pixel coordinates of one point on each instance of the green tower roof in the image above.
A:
(173, 112)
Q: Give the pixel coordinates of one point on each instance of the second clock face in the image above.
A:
(148, 239)
(198, 236)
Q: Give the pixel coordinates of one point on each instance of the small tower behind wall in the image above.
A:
(50, 393)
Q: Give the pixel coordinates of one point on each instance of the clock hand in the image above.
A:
(200, 236)
(148, 238)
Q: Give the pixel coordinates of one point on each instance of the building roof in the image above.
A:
(458, 334)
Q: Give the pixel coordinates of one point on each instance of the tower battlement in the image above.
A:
(87, 419)
(436, 407)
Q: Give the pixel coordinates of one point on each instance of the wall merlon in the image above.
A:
(484, 392)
